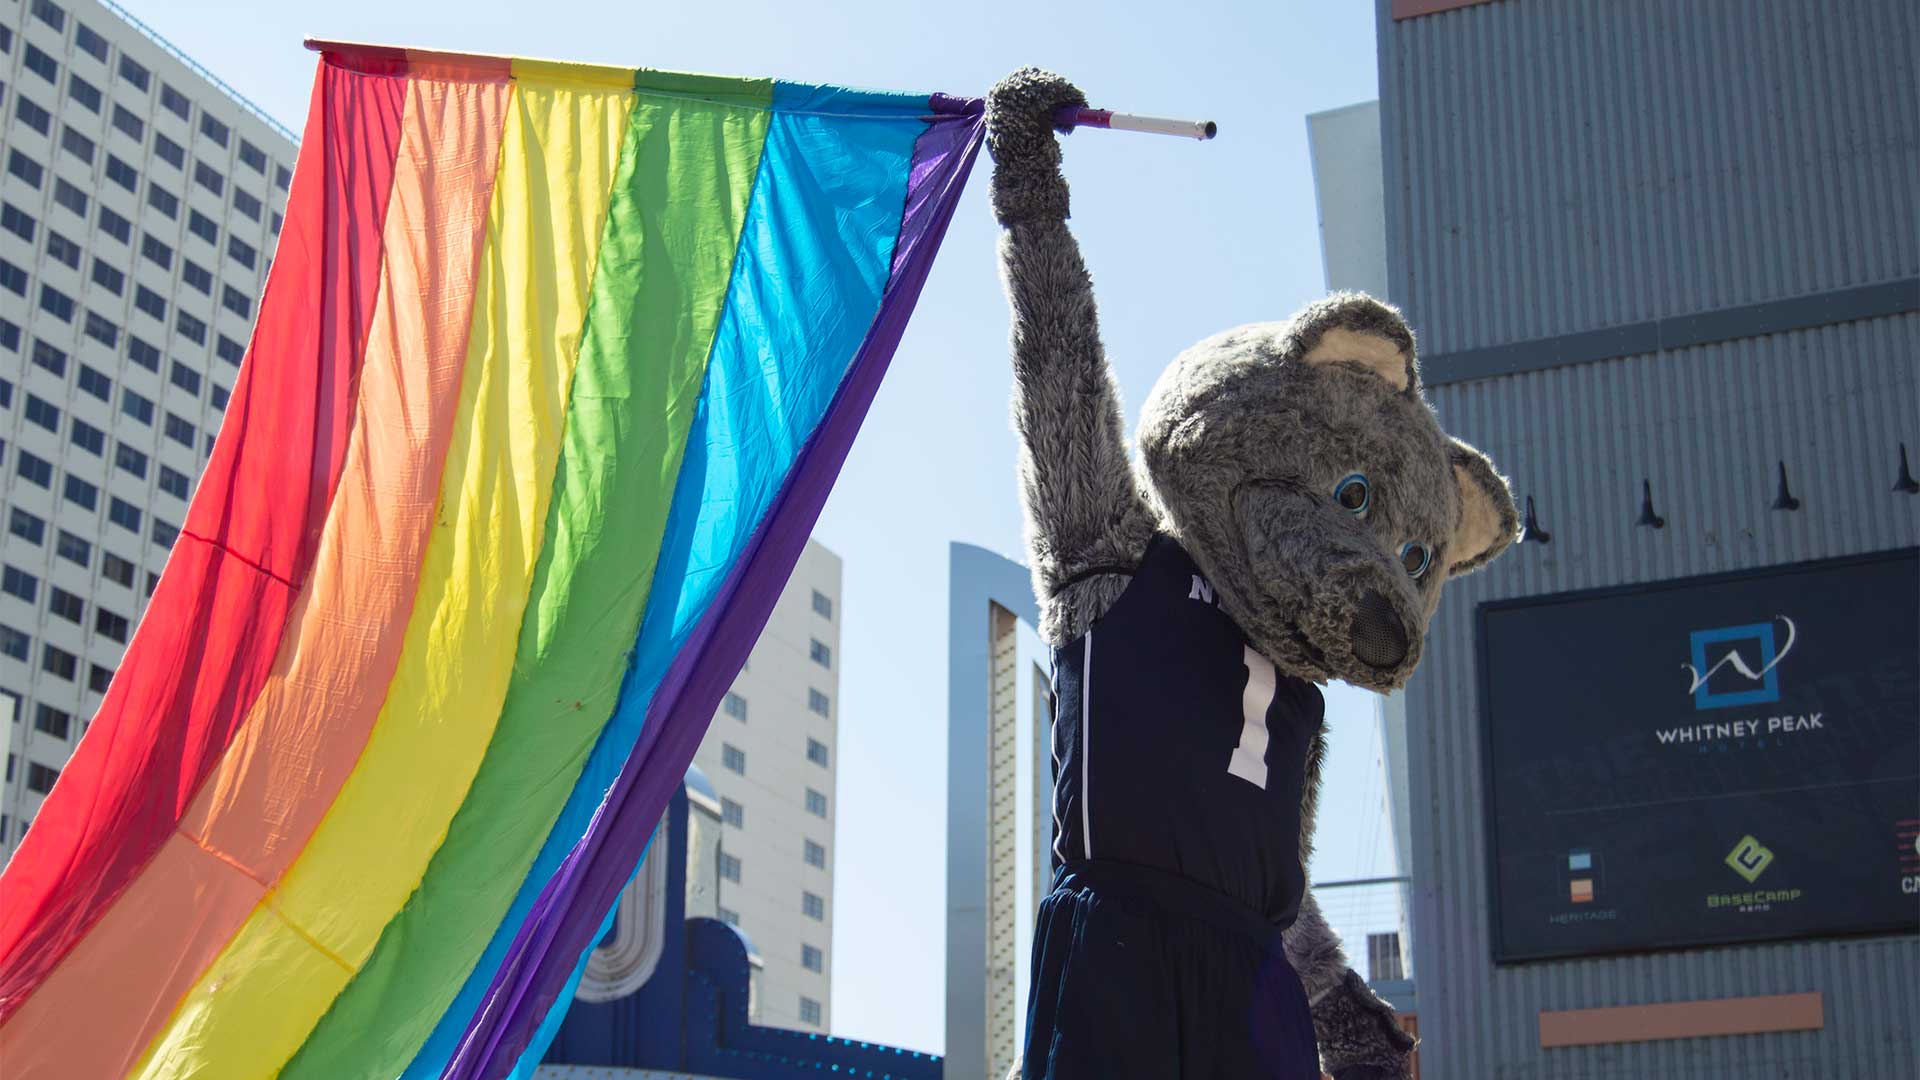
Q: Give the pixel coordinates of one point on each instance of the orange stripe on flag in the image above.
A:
(100, 1009)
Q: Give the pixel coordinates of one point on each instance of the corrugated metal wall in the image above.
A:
(1557, 166)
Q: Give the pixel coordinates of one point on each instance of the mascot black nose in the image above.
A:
(1378, 639)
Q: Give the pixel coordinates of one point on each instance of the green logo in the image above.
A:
(1749, 859)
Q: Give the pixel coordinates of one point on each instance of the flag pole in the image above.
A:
(1073, 116)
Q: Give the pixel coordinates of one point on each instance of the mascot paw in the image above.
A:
(1020, 135)
(1360, 1037)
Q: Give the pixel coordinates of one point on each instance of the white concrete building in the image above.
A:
(139, 207)
(771, 755)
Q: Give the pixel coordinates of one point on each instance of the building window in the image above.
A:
(236, 301)
(734, 758)
(229, 350)
(27, 527)
(817, 752)
(108, 278)
(17, 582)
(50, 13)
(218, 397)
(56, 303)
(90, 43)
(87, 437)
(102, 329)
(190, 327)
(809, 1011)
(213, 129)
(132, 73)
(58, 662)
(82, 494)
(164, 533)
(18, 222)
(133, 461)
(163, 200)
(813, 907)
(123, 514)
(180, 430)
(175, 102)
(107, 624)
(14, 643)
(61, 249)
(240, 251)
(12, 278)
(246, 203)
(169, 151)
(65, 605)
(729, 866)
(33, 470)
(73, 549)
(822, 604)
(820, 653)
(40, 780)
(735, 706)
(26, 169)
(136, 406)
(42, 65)
(186, 378)
(116, 569)
(730, 917)
(29, 112)
(816, 855)
(253, 157)
(70, 197)
(116, 226)
(196, 276)
(156, 251)
(209, 177)
(150, 303)
(52, 721)
(128, 124)
(85, 93)
(99, 678)
(816, 803)
(733, 813)
(282, 177)
(43, 412)
(9, 340)
(817, 703)
(812, 959)
(76, 144)
(203, 227)
(174, 483)
(143, 353)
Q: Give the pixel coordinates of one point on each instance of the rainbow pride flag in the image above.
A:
(554, 369)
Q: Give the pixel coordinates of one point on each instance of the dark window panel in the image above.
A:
(26, 169)
(91, 43)
(87, 437)
(44, 413)
(132, 73)
(240, 251)
(189, 327)
(124, 514)
(186, 378)
(116, 226)
(49, 357)
(76, 144)
(95, 382)
(128, 124)
(102, 329)
(169, 151)
(142, 353)
(29, 112)
(81, 493)
(127, 458)
(73, 549)
(236, 301)
(83, 92)
(61, 249)
(175, 102)
(70, 197)
(209, 177)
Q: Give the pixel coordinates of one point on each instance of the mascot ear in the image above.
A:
(1488, 521)
(1356, 331)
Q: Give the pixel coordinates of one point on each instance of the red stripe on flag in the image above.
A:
(210, 635)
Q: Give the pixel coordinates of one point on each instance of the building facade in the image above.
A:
(771, 755)
(1664, 264)
(141, 202)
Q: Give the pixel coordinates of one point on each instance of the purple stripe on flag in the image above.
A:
(563, 921)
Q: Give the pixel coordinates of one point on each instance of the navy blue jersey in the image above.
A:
(1177, 746)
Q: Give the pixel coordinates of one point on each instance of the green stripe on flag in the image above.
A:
(686, 175)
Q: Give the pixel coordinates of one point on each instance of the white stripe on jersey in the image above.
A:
(1053, 750)
(1086, 745)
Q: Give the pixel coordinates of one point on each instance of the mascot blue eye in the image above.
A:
(1353, 494)
(1416, 557)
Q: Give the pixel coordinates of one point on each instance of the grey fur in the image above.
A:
(1242, 443)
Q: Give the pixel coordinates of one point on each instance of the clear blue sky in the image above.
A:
(1183, 239)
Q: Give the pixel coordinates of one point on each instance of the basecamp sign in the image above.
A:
(1711, 760)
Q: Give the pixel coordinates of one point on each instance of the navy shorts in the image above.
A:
(1138, 973)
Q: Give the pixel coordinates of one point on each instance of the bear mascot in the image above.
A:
(1292, 516)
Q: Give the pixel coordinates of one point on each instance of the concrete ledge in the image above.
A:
(1682, 1020)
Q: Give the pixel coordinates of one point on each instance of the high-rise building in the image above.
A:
(771, 755)
(139, 209)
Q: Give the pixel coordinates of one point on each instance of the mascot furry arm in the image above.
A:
(1234, 442)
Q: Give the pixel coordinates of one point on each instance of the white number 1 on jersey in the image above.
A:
(1249, 761)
